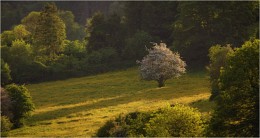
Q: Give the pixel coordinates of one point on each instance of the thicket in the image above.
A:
(176, 121)
(118, 38)
(237, 106)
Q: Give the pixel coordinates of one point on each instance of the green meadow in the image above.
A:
(80, 106)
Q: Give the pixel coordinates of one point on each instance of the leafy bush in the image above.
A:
(217, 56)
(75, 48)
(64, 66)
(237, 110)
(130, 125)
(175, 121)
(22, 104)
(101, 60)
(161, 64)
(6, 125)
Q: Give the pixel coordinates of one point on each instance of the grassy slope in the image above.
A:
(79, 106)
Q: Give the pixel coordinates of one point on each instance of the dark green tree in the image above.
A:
(95, 32)
(156, 18)
(21, 102)
(103, 33)
(202, 24)
(237, 109)
(136, 45)
(218, 56)
(74, 31)
(50, 32)
(116, 33)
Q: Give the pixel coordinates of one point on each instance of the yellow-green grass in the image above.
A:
(79, 106)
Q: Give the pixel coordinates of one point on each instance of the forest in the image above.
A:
(61, 48)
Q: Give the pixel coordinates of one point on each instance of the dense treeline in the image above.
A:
(50, 43)
(12, 12)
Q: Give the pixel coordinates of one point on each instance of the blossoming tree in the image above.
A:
(161, 64)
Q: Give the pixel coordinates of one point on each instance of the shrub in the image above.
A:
(130, 125)
(21, 103)
(161, 64)
(217, 56)
(175, 121)
(6, 125)
(237, 110)
(75, 48)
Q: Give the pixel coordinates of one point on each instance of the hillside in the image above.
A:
(79, 106)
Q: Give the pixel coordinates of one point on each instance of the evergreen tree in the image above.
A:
(50, 32)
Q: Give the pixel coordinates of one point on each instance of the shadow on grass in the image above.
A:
(147, 94)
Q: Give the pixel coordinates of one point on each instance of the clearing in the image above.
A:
(79, 106)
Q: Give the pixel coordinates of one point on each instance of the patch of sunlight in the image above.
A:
(53, 108)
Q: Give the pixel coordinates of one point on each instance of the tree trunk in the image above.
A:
(161, 82)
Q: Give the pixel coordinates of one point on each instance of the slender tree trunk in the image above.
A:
(161, 82)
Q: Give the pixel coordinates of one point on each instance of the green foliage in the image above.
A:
(64, 66)
(21, 33)
(101, 60)
(50, 32)
(75, 48)
(30, 21)
(153, 17)
(237, 110)
(95, 34)
(203, 24)
(74, 31)
(5, 73)
(218, 56)
(7, 37)
(177, 121)
(19, 59)
(103, 33)
(136, 45)
(130, 125)
(21, 102)
(6, 125)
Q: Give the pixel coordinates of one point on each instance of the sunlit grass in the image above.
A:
(79, 106)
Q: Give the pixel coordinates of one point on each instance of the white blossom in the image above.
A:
(161, 64)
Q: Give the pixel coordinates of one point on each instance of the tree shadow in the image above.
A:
(153, 94)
